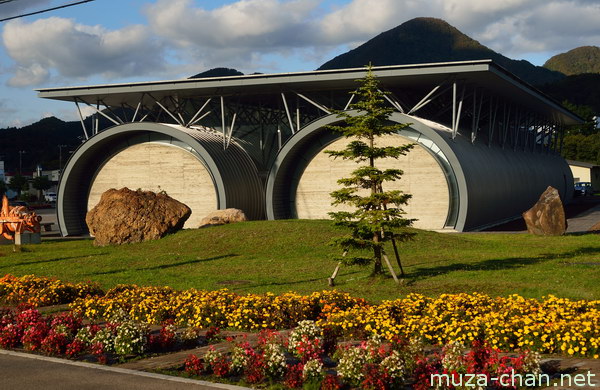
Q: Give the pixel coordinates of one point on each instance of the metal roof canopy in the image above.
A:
(482, 73)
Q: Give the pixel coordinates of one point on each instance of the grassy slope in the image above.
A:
(281, 256)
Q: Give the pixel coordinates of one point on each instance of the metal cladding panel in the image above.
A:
(493, 184)
(233, 172)
(502, 183)
(243, 188)
(300, 149)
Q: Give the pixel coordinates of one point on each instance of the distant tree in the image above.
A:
(18, 183)
(582, 142)
(41, 183)
(378, 216)
(587, 114)
(3, 188)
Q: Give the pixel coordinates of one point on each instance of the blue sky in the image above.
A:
(110, 41)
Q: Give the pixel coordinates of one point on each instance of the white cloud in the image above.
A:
(244, 32)
(16, 8)
(238, 34)
(185, 37)
(259, 24)
(78, 51)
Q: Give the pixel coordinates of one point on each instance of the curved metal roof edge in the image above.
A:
(509, 76)
(267, 75)
(64, 93)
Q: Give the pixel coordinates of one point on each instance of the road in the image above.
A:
(22, 371)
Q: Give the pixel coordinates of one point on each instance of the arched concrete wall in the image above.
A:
(233, 174)
(488, 185)
(423, 178)
(159, 166)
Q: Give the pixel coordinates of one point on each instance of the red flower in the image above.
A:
(221, 366)
(375, 378)
(75, 348)
(193, 365)
(293, 376)
(255, 370)
(331, 382)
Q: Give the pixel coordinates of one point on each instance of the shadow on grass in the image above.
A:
(65, 239)
(53, 260)
(495, 264)
(288, 283)
(164, 266)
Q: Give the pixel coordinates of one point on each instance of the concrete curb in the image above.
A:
(123, 370)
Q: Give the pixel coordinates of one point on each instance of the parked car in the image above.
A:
(584, 188)
(50, 197)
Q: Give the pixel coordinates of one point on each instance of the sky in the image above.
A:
(114, 41)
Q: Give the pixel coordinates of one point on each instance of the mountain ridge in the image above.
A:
(427, 40)
(581, 60)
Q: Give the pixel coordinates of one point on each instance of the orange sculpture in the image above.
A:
(17, 219)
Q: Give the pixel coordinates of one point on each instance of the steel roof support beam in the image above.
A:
(476, 114)
(102, 113)
(111, 111)
(137, 109)
(493, 116)
(85, 133)
(322, 108)
(178, 108)
(231, 129)
(287, 112)
(169, 113)
(394, 103)
(423, 102)
(456, 112)
(193, 120)
(349, 101)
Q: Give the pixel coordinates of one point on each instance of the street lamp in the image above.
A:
(60, 156)
(21, 161)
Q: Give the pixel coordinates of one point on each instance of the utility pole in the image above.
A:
(21, 162)
(60, 156)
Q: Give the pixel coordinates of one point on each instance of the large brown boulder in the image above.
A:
(547, 216)
(223, 217)
(126, 216)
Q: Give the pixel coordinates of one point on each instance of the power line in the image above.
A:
(41, 11)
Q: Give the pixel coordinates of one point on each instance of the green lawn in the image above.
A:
(280, 256)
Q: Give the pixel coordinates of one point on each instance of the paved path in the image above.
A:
(584, 374)
(21, 371)
(583, 222)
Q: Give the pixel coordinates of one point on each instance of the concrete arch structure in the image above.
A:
(127, 154)
(480, 179)
(489, 141)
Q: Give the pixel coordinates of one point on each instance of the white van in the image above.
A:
(50, 197)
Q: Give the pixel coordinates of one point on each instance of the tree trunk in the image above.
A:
(377, 266)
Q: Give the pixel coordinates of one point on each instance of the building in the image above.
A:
(585, 172)
(487, 144)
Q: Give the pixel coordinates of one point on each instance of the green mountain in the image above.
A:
(424, 40)
(579, 89)
(39, 143)
(584, 59)
(217, 72)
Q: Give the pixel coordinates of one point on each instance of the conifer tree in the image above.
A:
(377, 217)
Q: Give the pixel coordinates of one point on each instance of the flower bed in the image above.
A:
(304, 360)
(550, 325)
(37, 291)
(65, 334)
(199, 308)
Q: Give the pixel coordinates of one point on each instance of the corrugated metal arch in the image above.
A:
(493, 184)
(233, 172)
(299, 150)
